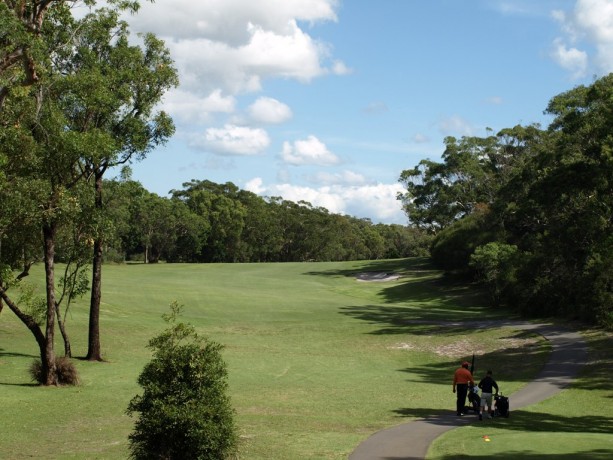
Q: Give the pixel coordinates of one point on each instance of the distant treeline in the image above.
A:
(529, 210)
(209, 222)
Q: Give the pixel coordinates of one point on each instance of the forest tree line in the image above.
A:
(209, 222)
(527, 210)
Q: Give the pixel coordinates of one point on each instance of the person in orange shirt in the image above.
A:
(461, 378)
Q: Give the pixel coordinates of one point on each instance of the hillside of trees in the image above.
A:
(209, 222)
(529, 211)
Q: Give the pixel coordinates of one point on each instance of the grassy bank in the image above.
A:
(317, 360)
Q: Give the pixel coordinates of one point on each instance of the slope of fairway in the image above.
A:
(317, 359)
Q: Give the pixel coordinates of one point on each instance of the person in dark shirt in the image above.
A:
(487, 386)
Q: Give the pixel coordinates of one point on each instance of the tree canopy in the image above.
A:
(529, 209)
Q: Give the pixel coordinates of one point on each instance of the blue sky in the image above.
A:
(328, 101)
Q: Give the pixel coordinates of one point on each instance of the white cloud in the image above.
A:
(455, 125)
(376, 201)
(571, 59)
(376, 107)
(255, 185)
(234, 45)
(420, 138)
(310, 151)
(340, 68)
(233, 140)
(495, 100)
(269, 110)
(344, 177)
(190, 107)
(591, 24)
(226, 20)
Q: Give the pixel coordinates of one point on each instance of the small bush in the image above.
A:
(184, 411)
(64, 368)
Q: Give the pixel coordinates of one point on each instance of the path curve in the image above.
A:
(410, 441)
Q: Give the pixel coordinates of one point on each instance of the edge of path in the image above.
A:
(411, 440)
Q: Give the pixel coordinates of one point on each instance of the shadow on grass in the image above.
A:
(8, 354)
(596, 454)
(421, 287)
(26, 385)
(405, 267)
(519, 420)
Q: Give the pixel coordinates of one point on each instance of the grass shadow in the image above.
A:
(8, 354)
(520, 420)
(25, 385)
(596, 454)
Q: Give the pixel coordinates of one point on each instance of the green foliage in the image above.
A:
(33, 304)
(452, 247)
(495, 267)
(184, 411)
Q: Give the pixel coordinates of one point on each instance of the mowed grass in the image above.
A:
(317, 360)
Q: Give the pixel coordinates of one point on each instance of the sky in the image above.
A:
(328, 101)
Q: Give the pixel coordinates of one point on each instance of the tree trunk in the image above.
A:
(62, 326)
(28, 320)
(93, 344)
(48, 358)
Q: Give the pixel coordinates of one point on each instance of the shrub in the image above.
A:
(184, 411)
(64, 368)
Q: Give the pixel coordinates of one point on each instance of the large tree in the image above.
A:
(41, 173)
(473, 169)
(111, 91)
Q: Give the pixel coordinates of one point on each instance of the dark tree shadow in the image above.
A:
(403, 267)
(596, 454)
(519, 420)
(8, 354)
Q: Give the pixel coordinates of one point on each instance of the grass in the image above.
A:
(317, 361)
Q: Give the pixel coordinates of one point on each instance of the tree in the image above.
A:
(110, 92)
(41, 169)
(559, 211)
(184, 411)
(22, 41)
(472, 172)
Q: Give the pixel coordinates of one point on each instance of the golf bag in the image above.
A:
(474, 400)
(501, 406)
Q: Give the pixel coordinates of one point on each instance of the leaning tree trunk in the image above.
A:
(48, 358)
(62, 326)
(29, 322)
(93, 344)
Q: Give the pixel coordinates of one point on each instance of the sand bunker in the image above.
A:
(376, 276)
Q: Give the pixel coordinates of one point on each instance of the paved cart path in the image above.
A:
(410, 441)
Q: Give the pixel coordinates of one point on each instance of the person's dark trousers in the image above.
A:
(461, 391)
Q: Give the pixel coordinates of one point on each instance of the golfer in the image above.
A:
(461, 378)
(487, 385)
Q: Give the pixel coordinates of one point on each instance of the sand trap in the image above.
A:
(376, 276)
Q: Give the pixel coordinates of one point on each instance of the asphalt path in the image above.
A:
(410, 441)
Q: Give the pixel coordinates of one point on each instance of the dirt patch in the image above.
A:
(458, 349)
(376, 276)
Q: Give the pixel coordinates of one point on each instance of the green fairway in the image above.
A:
(317, 360)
